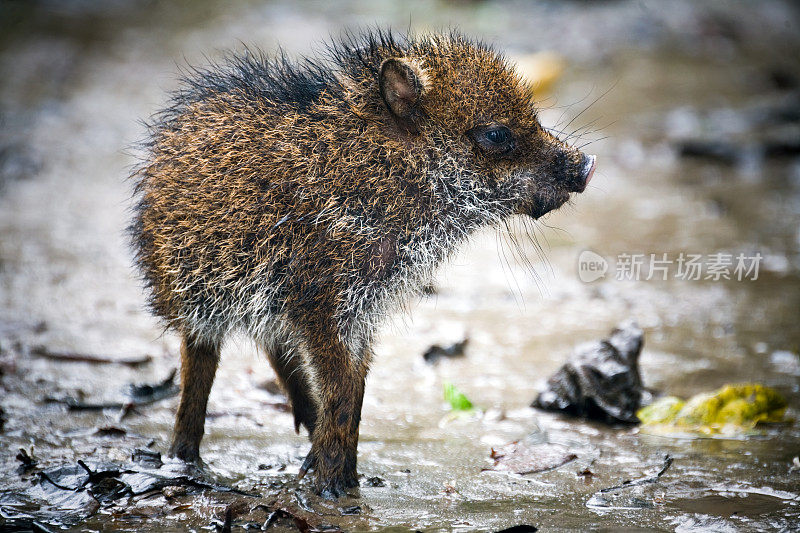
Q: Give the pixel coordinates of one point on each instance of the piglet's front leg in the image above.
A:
(338, 380)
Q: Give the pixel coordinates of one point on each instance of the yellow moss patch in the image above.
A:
(731, 409)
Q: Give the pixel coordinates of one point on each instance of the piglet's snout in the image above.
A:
(589, 164)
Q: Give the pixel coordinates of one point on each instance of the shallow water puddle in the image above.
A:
(729, 503)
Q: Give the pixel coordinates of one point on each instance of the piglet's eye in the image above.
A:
(493, 139)
(498, 135)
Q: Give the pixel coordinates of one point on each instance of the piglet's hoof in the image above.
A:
(192, 469)
(332, 489)
(186, 452)
(307, 465)
(335, 486)
(329, 487)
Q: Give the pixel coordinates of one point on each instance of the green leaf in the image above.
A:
(456, 399)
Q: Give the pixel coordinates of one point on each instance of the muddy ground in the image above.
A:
(694, 110)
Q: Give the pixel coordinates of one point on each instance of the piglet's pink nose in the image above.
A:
(588, 169)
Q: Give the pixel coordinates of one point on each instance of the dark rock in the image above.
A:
(375, 481)
(145, 393)
(602, 380)
(27, 463)
(436, 352)
(713, 150)
(740, 137)
(783, 78)
(147, 458)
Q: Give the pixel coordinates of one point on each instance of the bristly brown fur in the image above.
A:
(303, 202)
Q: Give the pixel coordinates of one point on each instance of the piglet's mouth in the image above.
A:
(558, 196)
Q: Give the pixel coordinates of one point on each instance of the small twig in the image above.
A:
(138, 394)
(642, 480)
(74, 357)
(45, 477)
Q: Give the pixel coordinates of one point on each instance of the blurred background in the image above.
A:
(693, 109)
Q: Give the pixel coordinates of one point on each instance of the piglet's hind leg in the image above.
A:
(198, 367)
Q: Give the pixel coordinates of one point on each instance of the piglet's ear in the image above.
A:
(400, 88)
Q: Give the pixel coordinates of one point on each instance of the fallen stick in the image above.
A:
(74, 357)
(642, 480)
(144, 394)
